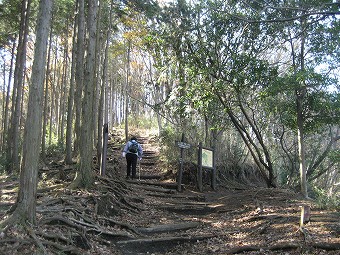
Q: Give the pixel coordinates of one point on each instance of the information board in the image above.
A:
(207, 158)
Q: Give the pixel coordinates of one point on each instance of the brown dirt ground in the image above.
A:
(226, 221)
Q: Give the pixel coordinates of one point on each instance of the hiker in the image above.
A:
(132, 152)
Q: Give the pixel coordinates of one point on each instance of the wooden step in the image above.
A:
(161, 245)
(166, 228)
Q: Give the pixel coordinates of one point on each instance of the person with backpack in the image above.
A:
(132, 152)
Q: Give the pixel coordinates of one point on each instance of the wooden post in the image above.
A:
(180, 171)
(213, 174)
(305, 214)
(104, 153)
(199, 172)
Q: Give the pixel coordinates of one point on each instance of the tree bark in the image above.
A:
(79, 72)
(18, 84)
(104, 100)
(127, 88)
(97, 108)
(85, 177)
(300, 95)
(6, 117)
(26, 202)
(99, 96)
(70, 102)
(63, 91)
(44, 127)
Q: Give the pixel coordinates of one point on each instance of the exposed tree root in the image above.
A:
(36, 239)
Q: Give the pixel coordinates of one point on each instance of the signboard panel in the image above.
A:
(183, 145)
(207, 158)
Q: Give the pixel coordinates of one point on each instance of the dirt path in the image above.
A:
(223, 222)
(148, 216)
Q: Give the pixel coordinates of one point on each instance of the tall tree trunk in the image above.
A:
(56, 92)
(85, 175)
(300, 96)
(3, 100)
(52, 98)
(301, 144)
(6, 117)
(18, 85)
(79, 78)
(70, 102)
(97, 92)
(26, 201)
(104, 98)
(99, 123)
(63, 91)
(127, 88)
(45, 114)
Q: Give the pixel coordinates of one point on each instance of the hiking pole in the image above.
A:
(139, 169)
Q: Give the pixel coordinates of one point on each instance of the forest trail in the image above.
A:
(247, 221)
(148, 215)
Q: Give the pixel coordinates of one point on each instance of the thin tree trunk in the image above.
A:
(64, 85)
(99, 122)
(266, 156)
(57, 96)
(300, 96)
(104, 97)
(18, 84)
(52, 98)
(51, 114)
(97, 134)
(99, 94)
(45, 114)
(69, 129)
(3, 100)
(127, 87)
(79, 78)
(6, 117)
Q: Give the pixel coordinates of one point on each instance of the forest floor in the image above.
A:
(148, 216)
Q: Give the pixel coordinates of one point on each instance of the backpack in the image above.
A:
(133, 148)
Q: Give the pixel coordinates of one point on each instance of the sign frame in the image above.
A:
(201, 165)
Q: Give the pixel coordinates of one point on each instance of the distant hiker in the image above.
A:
(132, 151)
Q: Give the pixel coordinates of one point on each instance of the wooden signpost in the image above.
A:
(104, 152)
(206, 159)
(182, 145)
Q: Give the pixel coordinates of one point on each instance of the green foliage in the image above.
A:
(10, 12)
(324, 201)
(334, 156)
(3, 163)
(142, 122)
(9, 20)
(168, 136)
(321, 106)
(55, 150)
(63, 15)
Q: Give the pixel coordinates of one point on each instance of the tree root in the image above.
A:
(122, 225)
(65, 249)
(36, 239)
